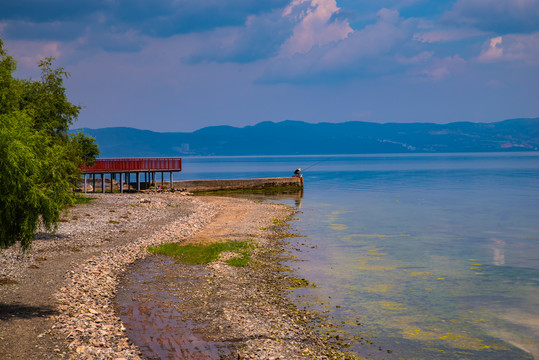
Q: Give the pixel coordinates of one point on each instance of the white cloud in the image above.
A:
(516, 47)
(494, 51)
(315, 27)
(297, 29)
(371, 51)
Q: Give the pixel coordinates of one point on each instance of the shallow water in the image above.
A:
(437, 256)
(155, 317)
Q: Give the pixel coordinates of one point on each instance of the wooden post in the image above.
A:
(103, 183)
(93, 185)
(171, 183)
(111, 188)
(121, 184)
(162, 180)
(138, 180)
(85, 183)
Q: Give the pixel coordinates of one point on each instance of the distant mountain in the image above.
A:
(297, 137)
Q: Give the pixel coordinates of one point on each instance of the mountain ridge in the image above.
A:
(293, 137)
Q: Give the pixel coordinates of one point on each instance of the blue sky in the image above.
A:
(179, 65)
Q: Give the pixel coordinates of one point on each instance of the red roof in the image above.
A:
(134, 165)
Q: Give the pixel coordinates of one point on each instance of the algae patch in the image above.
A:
(197, 254)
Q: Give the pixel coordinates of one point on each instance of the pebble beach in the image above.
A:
(60, 299)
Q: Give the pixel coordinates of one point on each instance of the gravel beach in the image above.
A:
(63, 299)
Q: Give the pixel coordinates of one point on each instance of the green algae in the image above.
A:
(197, 254)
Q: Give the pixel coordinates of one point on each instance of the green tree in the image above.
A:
(37, 163)
(85, 147)
(47, 102)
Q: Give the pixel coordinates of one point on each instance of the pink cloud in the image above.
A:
(315, 27)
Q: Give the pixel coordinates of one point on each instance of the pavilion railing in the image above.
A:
(134, 164)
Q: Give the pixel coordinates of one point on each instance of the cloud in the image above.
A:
(156, 18)
(422, 57)
(380, 38)
(87, 27)
(260, 37)
(317, 26)
(127, 25)
(440, 69)
(514, 47)
(30, 31)
(39, 11)
(297, 28)
(494, 50)
(28, 60)
(371, 51)
(288, 41)
(168, 17)
(447, 35)
(499, 16)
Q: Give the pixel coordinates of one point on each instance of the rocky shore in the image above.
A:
(60, 300)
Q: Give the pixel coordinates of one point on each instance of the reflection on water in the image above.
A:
(293, 196)
(437, 255)
(498, 252)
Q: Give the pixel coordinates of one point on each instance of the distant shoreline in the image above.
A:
(298, 137)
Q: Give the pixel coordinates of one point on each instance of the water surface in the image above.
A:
(435, 256)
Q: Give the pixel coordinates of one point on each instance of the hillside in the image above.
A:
(297, 137)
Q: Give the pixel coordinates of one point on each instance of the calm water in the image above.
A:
(415, 256)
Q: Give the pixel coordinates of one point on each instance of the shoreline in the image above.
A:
(84, 322)
(86, 304)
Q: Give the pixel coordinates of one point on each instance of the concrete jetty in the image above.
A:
(195, 186)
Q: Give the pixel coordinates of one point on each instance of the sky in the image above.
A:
(180, 65)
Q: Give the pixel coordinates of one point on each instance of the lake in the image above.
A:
(423, 256)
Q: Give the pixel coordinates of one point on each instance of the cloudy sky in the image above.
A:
(179, 65)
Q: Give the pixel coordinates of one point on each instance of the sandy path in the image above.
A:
(239, 218)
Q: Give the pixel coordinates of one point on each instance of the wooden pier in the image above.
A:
(124, 168)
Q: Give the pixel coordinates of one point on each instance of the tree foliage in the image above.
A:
(39, 161)
(85, 147)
